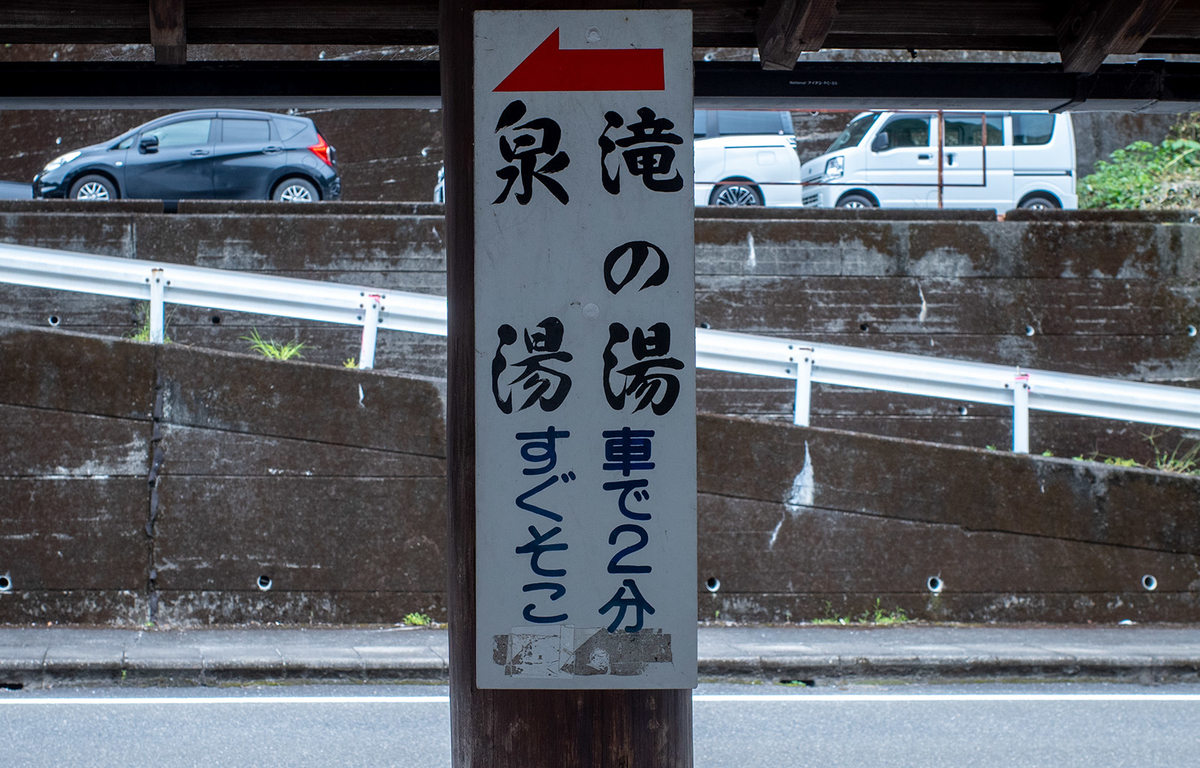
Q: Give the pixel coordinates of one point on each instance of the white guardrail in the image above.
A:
(803, 362)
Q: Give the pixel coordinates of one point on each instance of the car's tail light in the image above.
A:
(322, 150)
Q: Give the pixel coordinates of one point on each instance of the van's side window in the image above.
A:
(748, 123)
(907, 131)
(966, 129)
(1032, 128)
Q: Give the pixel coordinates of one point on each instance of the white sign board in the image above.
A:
(585, 350)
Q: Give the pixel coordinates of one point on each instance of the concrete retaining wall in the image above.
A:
(141, 483)
(1105, 294)
(160, 484)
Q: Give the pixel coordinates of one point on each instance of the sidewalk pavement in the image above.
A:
(61, 655)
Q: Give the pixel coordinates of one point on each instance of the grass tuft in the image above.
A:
(273, 349)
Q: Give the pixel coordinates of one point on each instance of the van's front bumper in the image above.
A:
(814, 194)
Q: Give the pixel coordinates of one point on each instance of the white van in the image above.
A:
(890, 160)
(746, 157)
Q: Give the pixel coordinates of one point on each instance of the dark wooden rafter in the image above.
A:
(786, 28)
(1093, 29)
(1007, 25)
(168, 31)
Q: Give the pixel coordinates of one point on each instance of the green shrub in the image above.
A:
(1145, 175)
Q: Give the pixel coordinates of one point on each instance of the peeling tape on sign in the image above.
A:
(579, 651)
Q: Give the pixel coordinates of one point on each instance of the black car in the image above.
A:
(205, 153)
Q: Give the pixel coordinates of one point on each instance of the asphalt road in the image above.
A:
(1009, 726)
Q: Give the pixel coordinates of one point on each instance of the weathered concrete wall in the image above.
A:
(141, 483)
(1093, 293)
(1100, 298)
(809, 523)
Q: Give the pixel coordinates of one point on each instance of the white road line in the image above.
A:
(206, 700)
(906, 697)
(793, 698)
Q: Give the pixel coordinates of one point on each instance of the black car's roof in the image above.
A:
(216, 113)
(196, 113)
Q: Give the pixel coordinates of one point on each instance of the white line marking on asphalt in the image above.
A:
(143, 700)
(890, 697)
(719, 698)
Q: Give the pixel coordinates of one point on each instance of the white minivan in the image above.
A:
(746, 157)
(890, 160)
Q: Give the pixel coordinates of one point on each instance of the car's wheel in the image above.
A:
(1039, 203)
(295, 191)
(735, 193)
(93, 187)
(856, 202)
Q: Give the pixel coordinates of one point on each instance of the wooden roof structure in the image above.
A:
(1083, 31)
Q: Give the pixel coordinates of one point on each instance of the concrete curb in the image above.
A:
(44, 657)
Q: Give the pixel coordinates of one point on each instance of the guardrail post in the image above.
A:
(157, 306)
(1021, 413)
(366, 357)
(804, 366)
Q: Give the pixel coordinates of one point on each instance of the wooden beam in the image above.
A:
(787, 27)
(168, 31)
(1007, 25)
(1092, 29)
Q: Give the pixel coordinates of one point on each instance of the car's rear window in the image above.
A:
(1032, 128)
(245, 131)
(288, 127)
(748, 122)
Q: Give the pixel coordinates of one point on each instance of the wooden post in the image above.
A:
(513, 728)
(168, 31)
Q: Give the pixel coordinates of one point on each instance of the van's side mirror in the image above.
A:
(148, 145)
(881, 142)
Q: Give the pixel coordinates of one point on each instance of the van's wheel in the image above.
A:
(1039, 203)
(295, 191)
(93, 187)
(856, 202)
(735, 193)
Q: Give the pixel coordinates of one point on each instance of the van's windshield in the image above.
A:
(854, 132)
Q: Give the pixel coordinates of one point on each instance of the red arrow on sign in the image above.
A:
(550, 68)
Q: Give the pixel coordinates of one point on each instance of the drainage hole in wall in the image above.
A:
(962, 410)
(216, 319)
(12, 686)
(706, 325)
(800, 683)
(864, 327)
(53, 320)
(5, 583)
(264, 583)
(1191, 329)
(712, 584)
(1029, 330)
(1149, 583)
(935, 584)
